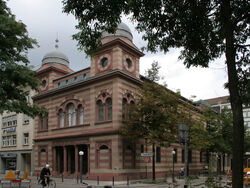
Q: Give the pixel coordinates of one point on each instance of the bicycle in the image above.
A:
(51, 184)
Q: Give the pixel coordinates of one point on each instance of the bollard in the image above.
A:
(127, 180)
(77, 179)
(62, 177)
(97, 180)
(113, 180)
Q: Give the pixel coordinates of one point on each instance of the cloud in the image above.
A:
(201, 82)
(44, 20)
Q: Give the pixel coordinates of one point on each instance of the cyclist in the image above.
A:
(45, 174)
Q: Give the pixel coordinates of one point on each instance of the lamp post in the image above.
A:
(173, 153)
(183, 138)
(81, 154)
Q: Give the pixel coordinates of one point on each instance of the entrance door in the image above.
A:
(85, 168)
(11, 164)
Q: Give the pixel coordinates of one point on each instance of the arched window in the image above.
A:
(61, 118)
(43, 150)
(124, 108)
(100, 111)
(104, 147)
(109, 109)
(71, 115)
(43, 120)
(80, 114)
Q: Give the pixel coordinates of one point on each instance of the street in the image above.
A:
(199, 183)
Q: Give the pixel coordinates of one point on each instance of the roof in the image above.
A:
(203, 102)
(55, 57)
(61, 68)
(122, 31)
(218, 100)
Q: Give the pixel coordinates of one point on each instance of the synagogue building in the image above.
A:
(85, 113)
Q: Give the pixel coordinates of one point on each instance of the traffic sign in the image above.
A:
(147, 159)
(149, 154)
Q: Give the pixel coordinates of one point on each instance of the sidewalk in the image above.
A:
(198, 183)
(67, 183)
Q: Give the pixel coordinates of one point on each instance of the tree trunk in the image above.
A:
(223, 163)
(153, 163)
(235, 99)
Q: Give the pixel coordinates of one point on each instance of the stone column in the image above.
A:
(64, 161)
(58, 161)
(69, 161)
(88, 158)
(76, 161)
(54, 159)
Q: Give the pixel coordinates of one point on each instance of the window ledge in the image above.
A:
(9, 127)
(41, 131)
(74, 126)
(103, 122)
(8, 146)
(25, 144)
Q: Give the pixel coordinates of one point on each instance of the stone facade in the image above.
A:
(85, 114)
(218, 104)
(17, 141)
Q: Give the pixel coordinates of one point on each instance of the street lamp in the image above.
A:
(81, 154)
(183, 138)
(173, 153)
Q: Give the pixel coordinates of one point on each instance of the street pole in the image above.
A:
(173, 153)
(147, 162)
(153, 165)
(81, 154)
(183, 138)
(186, 164)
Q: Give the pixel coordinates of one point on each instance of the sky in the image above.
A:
(45, 22)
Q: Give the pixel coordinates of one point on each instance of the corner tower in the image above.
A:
(54, 65)
(117, 52)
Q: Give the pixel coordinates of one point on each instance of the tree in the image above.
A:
(220, 132)
(204, 29)
(15, 74)
(154, 116)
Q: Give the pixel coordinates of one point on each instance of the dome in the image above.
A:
(55, 57)
(122, 31)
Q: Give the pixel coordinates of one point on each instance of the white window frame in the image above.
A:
(26, 138)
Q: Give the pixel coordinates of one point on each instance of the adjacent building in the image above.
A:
(219, 103)
(85, 112)
(17, 141)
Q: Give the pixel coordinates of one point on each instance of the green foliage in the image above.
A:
(15, 74)
(247, 142)
(226, 130)
(204, 29)
(196, 26)
(155, 115)
(220, 131)
(199, 137)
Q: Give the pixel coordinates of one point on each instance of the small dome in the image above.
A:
(122, 31)
(55, 57)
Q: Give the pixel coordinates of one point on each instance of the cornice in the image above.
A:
(84, 133)
(119, 41)
(91, 80)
